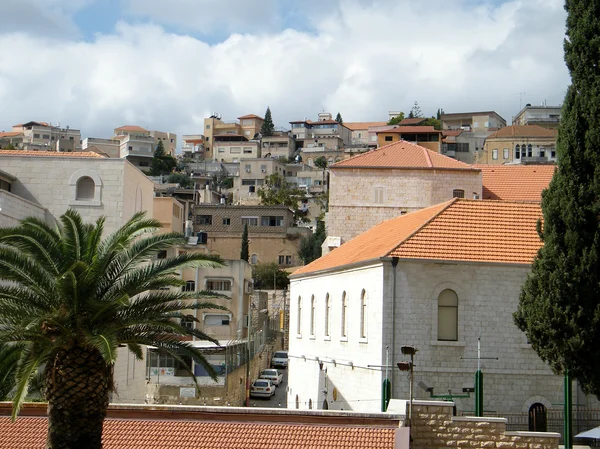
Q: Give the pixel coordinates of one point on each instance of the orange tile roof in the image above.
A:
(358, 126)
(86, 154)
(403, 155)
(522, 131)
(11, 134)
(30, 433)
(452, 132)
(515, 182)
(457, 230)
(412, 121)
(250, 116)
(402, 129)
(131, 128)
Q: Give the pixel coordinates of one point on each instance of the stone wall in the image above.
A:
(13, 209)
(433, 426)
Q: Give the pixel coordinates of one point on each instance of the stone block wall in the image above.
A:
(13, 209)
(433, 426)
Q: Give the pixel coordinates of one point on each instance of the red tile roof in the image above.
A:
(30, 433)
(412, 121)
(457, 230)
(131, 128)
(522, 131)
(358, 126)
(403, 155)
(250, 116)
(452, 132)
(86, 154)
(411, 130)
(515, 182)
(11, 134)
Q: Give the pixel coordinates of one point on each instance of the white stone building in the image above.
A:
(393, 180)
(437, 279)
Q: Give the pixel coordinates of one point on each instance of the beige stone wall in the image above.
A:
(169, 212)
(13, 209)
(354, 206)
(267, 248)
(433, 426)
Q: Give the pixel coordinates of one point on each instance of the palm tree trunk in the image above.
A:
(77, 387)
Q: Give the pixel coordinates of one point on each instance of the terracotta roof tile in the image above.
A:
(250, 116)
(131, 128)
(11, 134)
(403, 155)
(87, 154)
(457, 230)
(523, 131)
(412, 121)
(30, 433)
(357, 126)
(515, 182)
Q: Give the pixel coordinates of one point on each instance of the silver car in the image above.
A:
(262, 388)
(273, 375)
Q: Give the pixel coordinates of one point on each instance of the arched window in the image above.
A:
(458, 193)
(518, 151)
(254, 259)
(190, 286)
(363, 314)
(344, 328)
(312, 315)
(538, 420)
(448, 316)
(327, 313)
(529, 150)
(299, 330)
(85, 188)
(310, 404)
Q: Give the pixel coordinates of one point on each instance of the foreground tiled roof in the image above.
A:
(403, 155)
(11, 134)
(515, 182)
(522, 131)
(87, 154)
(30, 433)
(131, 128)
(457, 230)
(357, 126)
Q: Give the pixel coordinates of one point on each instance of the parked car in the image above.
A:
(280, 359)
(273, 375)
(262, 388)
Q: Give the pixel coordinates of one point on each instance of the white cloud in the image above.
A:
(362, 60)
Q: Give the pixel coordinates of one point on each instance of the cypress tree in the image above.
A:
(338, 118)
(267, 128)
(559, 308)
(245, 252)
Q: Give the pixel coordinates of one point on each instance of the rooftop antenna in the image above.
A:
(521, 95)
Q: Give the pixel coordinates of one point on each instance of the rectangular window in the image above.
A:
(216, 320)
(226, 221)
(247, 150)
(235, 150)
(271, 221)
(248, 168)
(495, 153)
(389, 138)
(190, 286)
(263, 168)
(130, 148)
(204, 219)
(457, 193)
(188, 323)
(248, 182)
(207, 139)
(250, 221)
(221, 150)
(36, 136)
(281, 260)
(288, 260)
(505, 155)
(45, 136)
(378, 195)
(218, 285)
(207, 126)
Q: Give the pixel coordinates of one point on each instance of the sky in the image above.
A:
(167, 64)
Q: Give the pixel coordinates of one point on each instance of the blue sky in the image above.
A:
(99, 64)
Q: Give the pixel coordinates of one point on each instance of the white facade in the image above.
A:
(487, 297)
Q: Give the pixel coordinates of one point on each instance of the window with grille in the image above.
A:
(457, 193)
(218, 285)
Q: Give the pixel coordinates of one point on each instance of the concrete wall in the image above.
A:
(13, 209)
(169, 212)
(129, 378)
(352, 198)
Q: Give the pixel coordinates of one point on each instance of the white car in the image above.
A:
(280, 359)
(262, 388)
(273, 375)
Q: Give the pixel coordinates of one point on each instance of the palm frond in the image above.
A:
(27, 368)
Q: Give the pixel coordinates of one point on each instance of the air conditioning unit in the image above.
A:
(247, 170)
(264, 170)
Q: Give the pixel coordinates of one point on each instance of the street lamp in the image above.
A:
(408, 366)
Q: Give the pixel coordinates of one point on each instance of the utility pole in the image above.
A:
(568, 430)
(248, 355)
(479, 378)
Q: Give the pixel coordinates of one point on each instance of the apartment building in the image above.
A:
(193, 146)
(360, 132)
(136, 145)
(169, 141)
(544, 116)
(246, 125)
(519, 144)
(304, 131)
(234, 148)
(252, 175)
(42, 136)
(272, 234)
(280, 145)
(425, 136)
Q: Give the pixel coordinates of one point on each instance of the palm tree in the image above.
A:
(69, 299)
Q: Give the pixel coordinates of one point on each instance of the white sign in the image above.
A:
(186, 392)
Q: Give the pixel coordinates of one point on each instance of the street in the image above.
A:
(278, 400)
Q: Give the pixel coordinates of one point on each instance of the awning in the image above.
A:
(592, 433)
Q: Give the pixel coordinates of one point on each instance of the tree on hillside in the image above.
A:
(184, 180)
(439, 114)
(69, 298)
(245, 251)
(338, 118)
(264, 273)
(437, 124)
(276, 191)
(267, 128)
(310, 247)
(321, 162)
(162, 163)
(559, 303)
(415, 112)
(396, 120)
